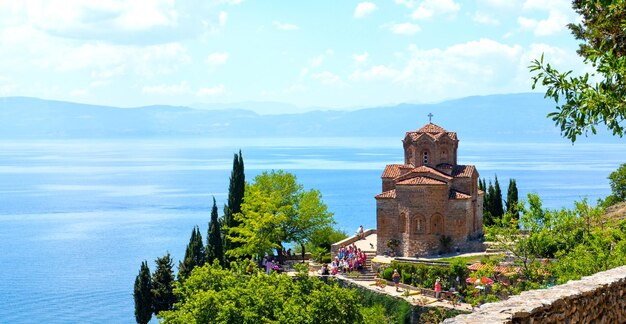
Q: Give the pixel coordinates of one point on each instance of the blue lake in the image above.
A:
(78, 217)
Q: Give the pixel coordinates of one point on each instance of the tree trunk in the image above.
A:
(302, 246)
(279, 254)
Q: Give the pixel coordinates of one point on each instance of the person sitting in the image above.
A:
(334, 270)
(360, 232)
(324, 271)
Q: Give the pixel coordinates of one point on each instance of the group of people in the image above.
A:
(271, 264)
(348, 259)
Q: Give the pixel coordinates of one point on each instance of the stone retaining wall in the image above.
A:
(595, 299)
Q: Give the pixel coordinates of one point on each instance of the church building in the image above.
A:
(429, 204)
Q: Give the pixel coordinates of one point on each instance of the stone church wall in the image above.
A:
(599, 298)
(387, 223)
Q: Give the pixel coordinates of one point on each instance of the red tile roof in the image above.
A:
(391, 194)
(458, 195)
(433, 131)
(393, 170)
(428, 169)
(431, 128)
(463, 171)
(422, 181)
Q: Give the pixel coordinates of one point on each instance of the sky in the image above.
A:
(338, 54)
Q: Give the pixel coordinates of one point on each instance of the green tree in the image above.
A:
(162, 284)
(277, 210)
(586, 101)
(617, 179)
(488, 205)
(496, 204)
(142, 295)
(512, 198)
(214, 249)
(194, 254)
(216, 295)
(236, 190)
(324, 238)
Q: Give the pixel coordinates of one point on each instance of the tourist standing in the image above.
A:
(268, 266)
(437, 288)
(396, 279)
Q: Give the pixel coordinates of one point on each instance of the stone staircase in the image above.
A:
(366, 274)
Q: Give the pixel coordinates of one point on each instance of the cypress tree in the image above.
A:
(162, 284)
(497, 210)
(488, 205)
(236, 190)
(512, 198)
(142, 295)
(194, 255)
(214, 249)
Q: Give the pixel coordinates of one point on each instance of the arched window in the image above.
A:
(444, 155)
(436, 224)
(420, 224)
(425, 157)
(404, 223)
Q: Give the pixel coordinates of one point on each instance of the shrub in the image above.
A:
(388, 273)
(406, 278)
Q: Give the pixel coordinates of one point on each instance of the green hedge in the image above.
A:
(422, 275)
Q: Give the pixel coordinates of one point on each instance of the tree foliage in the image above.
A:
(142, 295)
(497, 209)
(585, 101)
(617, 180)
(512, 199)
(194, 255)
(216, 295)
(214, 249)
(163, 284)
(277, 210)
(236, 189)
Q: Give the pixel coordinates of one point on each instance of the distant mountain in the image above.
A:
(495, 118)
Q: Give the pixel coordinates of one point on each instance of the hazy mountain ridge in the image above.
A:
(511, 117)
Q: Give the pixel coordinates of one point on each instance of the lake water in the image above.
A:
(78, 217)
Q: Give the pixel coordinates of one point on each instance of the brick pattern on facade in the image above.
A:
(429, 196)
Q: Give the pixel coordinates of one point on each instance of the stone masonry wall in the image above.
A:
(599, 298)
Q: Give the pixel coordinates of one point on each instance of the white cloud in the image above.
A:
(404, 28)
(561, 5)
(360, 58)
(501, 4)
(406, 3)
(364, 8)
(319, 59)
(560, 13)
(328, 78)
(378, 72)
(167, 89)
(215, 59)
(485, 19)
(555, 23)
(285, 26)
(210, 91)
(80, 16)
(483, 66)
(430, 8)
(230, 2)
(114, 21)
(222, 18)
